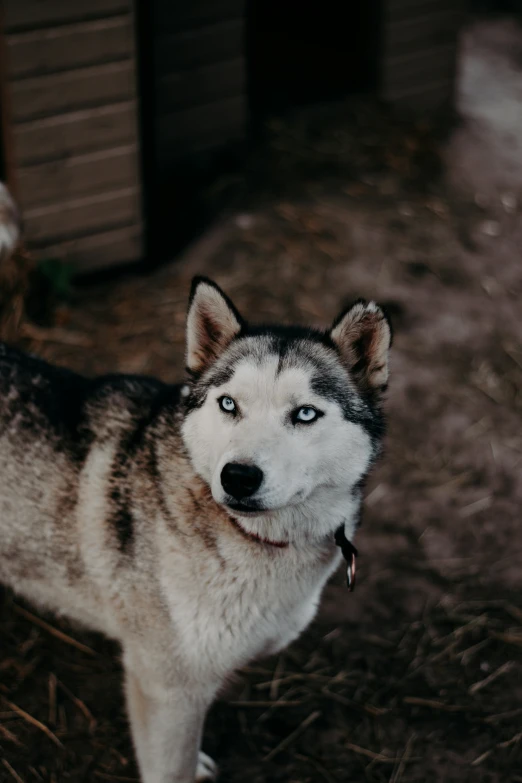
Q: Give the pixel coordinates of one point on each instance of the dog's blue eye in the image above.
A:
(306, 414)
(227, 404)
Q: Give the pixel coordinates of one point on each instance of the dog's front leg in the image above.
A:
(167, 724)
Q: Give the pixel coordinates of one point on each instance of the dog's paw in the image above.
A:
(207, 768)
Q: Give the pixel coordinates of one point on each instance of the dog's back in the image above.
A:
(55, 427)
(38, 471)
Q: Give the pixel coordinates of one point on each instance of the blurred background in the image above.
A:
(302, 154)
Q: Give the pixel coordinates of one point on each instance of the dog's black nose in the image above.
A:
(241, 481)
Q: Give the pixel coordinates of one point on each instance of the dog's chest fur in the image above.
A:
(251, 604)
(103, 518)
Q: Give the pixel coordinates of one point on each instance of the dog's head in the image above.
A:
(284, 423)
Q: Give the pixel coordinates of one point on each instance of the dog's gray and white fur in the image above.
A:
(194, 524)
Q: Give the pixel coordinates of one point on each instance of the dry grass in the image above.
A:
(335, 707)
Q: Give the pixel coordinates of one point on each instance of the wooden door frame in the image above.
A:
(146, 101)
(7, 156)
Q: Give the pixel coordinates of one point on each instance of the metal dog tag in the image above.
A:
(349, 554)
(350, 574)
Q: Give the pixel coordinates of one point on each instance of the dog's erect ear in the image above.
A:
(212, 323)
(363, 336)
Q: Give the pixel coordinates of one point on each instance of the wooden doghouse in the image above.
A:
(71, 127)
(110, 107)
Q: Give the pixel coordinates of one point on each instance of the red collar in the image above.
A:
(257, 539)
(347, 548)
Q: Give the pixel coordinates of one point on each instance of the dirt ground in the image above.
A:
(417, 675)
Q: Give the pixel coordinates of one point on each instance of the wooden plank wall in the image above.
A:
(420, 52)
(73, 100)
(6, 137)
(200, 75)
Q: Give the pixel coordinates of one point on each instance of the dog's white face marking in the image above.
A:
(266, 419)
(310, 456)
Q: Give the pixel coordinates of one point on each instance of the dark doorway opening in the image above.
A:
(212, 71)
(304, 51)
(192, 90)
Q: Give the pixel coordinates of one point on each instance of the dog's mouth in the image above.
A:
(251, 509)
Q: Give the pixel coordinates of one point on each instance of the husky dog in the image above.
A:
(194, 524)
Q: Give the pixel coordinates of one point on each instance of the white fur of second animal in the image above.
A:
(9, 223)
